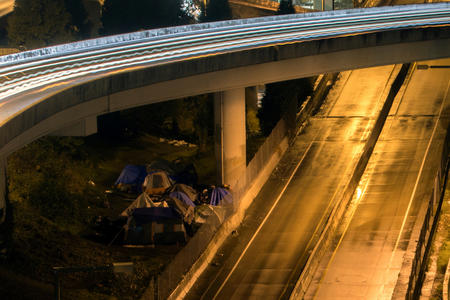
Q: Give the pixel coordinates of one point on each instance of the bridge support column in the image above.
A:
(230, 144)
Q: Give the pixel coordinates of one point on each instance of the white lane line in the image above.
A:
(417, 182)
(264, 221)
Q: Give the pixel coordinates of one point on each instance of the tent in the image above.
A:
(157, 183)
(150, 225)
(183, 197)
(143, 200)
(220, 196)
(186, 189)
(184, 210)
(131, 178)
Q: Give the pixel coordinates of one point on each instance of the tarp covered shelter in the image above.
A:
(146, 215)
(186, 189)
(184, 210)
(220, 196)
(154, 225)
(142, 201)
(157, 183)
(183, 197)
(132, 175)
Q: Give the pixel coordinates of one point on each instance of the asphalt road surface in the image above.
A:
(266, 255)
(395, 187)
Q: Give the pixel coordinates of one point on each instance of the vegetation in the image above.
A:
(35, 24)
(81, 24)
(281, 98)
(57, 184)
(51, 176)
(190, 119)
(216, 10)
(120, 16)
(286, 8)
(57, 189)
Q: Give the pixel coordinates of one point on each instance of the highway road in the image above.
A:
(395, 186)
(266, 257)
(71, 64)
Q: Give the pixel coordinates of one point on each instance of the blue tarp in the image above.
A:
(220, 196)
(183, 197)
(133, 174)
(158, 214)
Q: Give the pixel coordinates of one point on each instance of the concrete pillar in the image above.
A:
(2, 188)
(229, 115)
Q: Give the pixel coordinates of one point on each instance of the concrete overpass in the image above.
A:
(64, 88)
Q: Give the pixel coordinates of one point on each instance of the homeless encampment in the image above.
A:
(131, 178)
(142, 201)
(220, 196)
(205, 211)
(180, 189)
(152, 222)
(156, 183)
(154, 225)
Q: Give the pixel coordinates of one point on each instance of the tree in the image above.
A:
(51, 176)
(120, 16)
(35, 24)
(282, 98)
(81, 24)
(201, 109)
(285, 8)
(216, 10)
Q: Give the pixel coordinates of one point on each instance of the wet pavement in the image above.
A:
(265, 256)
(397, 183)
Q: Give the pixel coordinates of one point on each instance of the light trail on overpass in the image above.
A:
(23, 72)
